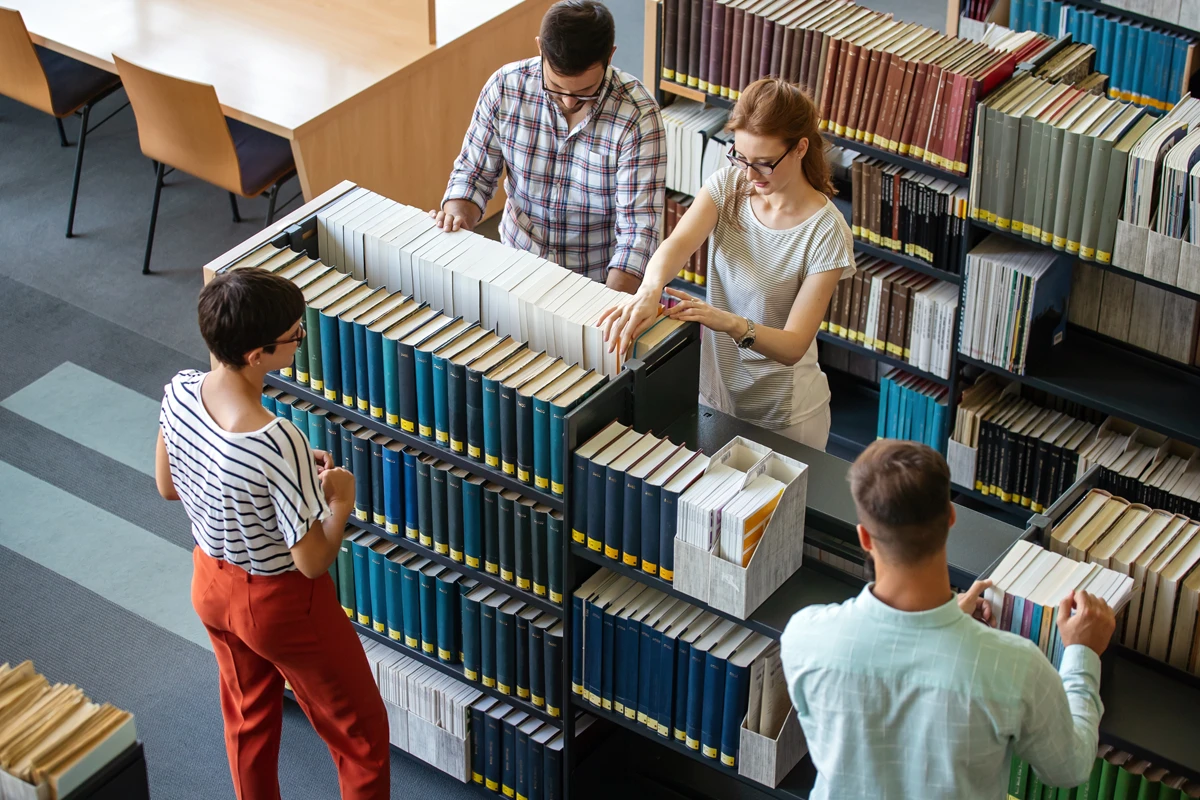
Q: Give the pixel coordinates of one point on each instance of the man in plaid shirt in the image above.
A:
(584, 149)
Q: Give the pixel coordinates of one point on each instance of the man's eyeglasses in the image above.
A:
(583, 98)
(291, 339)
(759, 167)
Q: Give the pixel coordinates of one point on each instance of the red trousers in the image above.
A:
(265, 628)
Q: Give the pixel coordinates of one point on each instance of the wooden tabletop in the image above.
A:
(276, 64)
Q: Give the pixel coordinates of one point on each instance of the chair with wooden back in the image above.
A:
(181, 126)
(53, 83)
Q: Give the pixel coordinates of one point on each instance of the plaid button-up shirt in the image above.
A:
(588, 199)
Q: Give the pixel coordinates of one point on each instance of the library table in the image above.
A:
(355, 85)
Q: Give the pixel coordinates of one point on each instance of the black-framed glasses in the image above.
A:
(583, 98)
(759, 167)
(299, 337)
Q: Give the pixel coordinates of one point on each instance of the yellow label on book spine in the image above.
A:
(504, 688)
(619, 707)
(441, 548)
(522, 583)
(378, 519)
(330, 394)
(411, 533)
(557, 488)
(392, 419)
(286, 372)
(362, 515)
(1003, 223)
(412, 641)
(490, 567)
(642, 718)
(471, 674)
(553, 711)
(650, 568)
(392, 527)
(1072, 247)
(349, 612)
(522, 475)
(1059, 242)
(606, 705)
(708, 752)
(426, 431)
(555, 597)
(1018, 226)
(425, 539)
(663, 730)
(407, 425)
(666, 574)
(506, 575)
(302, 377)
(629, 559)
(693, 744)
(427, 647)
(1087, 253)
(444, 655)
(727, 760)
(521, 796)
(476, 777)
(522, 693)
(473, 562)
(540, 482)
(539, 701)
(595, 544)
(348, 400)
(456, 555)
(442, 437)
(507, 468)
(702, 85)
(318, 385)
(630, 712)
(577, 536)
(363, 619)
(363, 405)
(395, 635)
(492, 461)
(669, 74)
(1103, 258)
(489, 682)
(378, 627)
(612, 552)
(493, 785)
(474, 452)
(577, 688)
(679, 734)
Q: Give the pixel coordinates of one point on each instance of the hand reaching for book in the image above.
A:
(338, 485)
(1091, 625)
(627, 320)
(971, 602)
(456, 215)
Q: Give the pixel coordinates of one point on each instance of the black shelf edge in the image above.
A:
(797, 784)
(483, 576)
(1166, 287)
(1115, 381)
(694, 289)
(892, 361)
(456, 671)
(915, 264)
(671, 87)
(415, 442)
(1133, 15)
(1013, 512)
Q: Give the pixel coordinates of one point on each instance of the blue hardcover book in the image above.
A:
(737, 694)
(698, 687)
(524, 773)
(362, 362)
(360, 546)
(904, 418)
(411, 520)
(378, 515)
(683, 651)
(593, 648)
(316, 428)
(631, 526)
(537, 773)
(1174, 79)
(521, 676)
(508, 772)
(648, 646)
(580, 484)
(1043, 17)
(393, 585)
(439, 371)
(437, 509)
(492, 439)
(454, 513)
(268, 401)
(506, 646)
(425, 500)
(333, 438)
(537, 671)
(1120, 56)
(713, 714)
(472, 521)
(348, 376)
(1149, 74)
(614, 493)
(552, 668)
(487, 637)
(299, 415)
(893, 423)
(423, 368)
(377, 557)
(360, 444)
(448, 616)
(368, 357)
(410, 590)
(470, 603)
(331, 356)
(427, 579)
(939, 421)
(619, 623)
(917, 433)
(1104, 50)
(479, 711)
(393, 487)
(1141, 40)
(493, 736)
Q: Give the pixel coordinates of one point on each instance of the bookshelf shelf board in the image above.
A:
(416, 442)
(456, 671)
(693, 289)
(541, 603)
(1109, 8)
(915, 264)
(671, 87)
(809, 586)
(797, 784)
(1116, 381)
(1166, 287)
(1018, 515)
(892, 361)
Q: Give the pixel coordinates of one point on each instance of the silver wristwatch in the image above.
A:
(747, 341)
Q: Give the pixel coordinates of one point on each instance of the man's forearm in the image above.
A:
(623, 280)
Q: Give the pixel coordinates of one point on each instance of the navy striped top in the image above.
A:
(250, 496)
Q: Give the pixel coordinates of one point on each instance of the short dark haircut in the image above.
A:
(576, 35)
(245, 309)
(902, 494)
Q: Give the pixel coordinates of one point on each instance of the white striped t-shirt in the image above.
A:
(249, 496)
(755, 272)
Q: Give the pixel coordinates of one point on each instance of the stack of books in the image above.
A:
(908, 212)
(895, 310)
(913, 408)
(1148, 65)
(1158, 554)
(898, 86)
(696, 269)
(55, 738)
(1014, 300)
(513, 754)
(441, 507)
(682, 672)
(1116, 775)
(728, 510)
(693, 152)
(1074, 64)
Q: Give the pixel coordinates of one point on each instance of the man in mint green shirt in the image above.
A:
(901, 694)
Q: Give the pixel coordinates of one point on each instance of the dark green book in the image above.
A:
(345, 562)
(466, 585)
(524, 417)
(437, 516)
(348, 430)
(524, 619)
(330, 335)
(552, 668)
(378, 559)
(528, 728)
(410, 589)
(441, 359)
(507, 391)
(476, 370)
(505, 535)
(393, 582)
(525, 549)
(491, 528)
(560, 406)
(478, 748)
(491, 403)
(333, 438)
(448, 616)
(368, 346)
(427, 579)
(554, 553)
(454, 512)
(537, 772)
(537, 658)
(423, 354)
(360, 546)
(552, 767)
(487, 637)
(506, 645)
(472, 527)
(540, 441)
(378, 506)
(456, 390)
(537, 544)
(321, 292)
(493, 737)
(425, 500)
(508, 769)
(393, 383)
(471, 623)
(406, 365)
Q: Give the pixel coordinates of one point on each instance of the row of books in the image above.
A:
(1049, 164)
(1176, 12)
(1015, 299)
(1075, 64)
(1135, 312)
(1116, 775)
(694, 151)
(500, 641)
(1145, 466)
(899, 86)
(696, 269)
(1148, 65)
(515, 755)
(1158, 177)
(913, 408)
(895, 310)
(1158, 554)
(442, 507)
(908, 212)
(53, 738)
(683, 673)
(421, 690)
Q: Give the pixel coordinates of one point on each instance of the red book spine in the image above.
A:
(905, 100)
(705, 41)
(807, 36)
(714, 48)
(693, 75)
(756, 32)
(841, 105)
(832, 60)
(670, 23)
(735, 53)
(683, 32)
(866, 59)
(877, 97)
(727, 54)
(947, 140)
(937, 86)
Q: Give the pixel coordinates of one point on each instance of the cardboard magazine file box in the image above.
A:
(1189, 264)
(767, 760)
(397, 724)
(1130, 247)
(1162, 258)
(961, 459)
(439, 748)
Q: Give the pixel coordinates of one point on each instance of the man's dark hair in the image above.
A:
(245, 309)
(577, 35)
(902, 493)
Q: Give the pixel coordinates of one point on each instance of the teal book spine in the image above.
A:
(424, 504)
(541, 444)
(410, 459)
(411, 592)
(447, 620)
(557, 445)
(508, 428)
(474, 410)
(389, 400)
(300, 419)
(362, 368)
(333, 439)
(316, 430)
(362, 584)
(423, 371)
(552, 670)
(361, 449)
(506, 656)
(491, 423)
(506, 539)
(427, 580)
(472, 526)
(470, 637)
(437, 511)
(347, 462)
(456, 405)
(312, 322)
(491, 531)
(393, 582)
(441, 406)
(537, 666)
(377, 374)
(554, 555)
(378, 493)
(378, 563)
(393, 490)
(331, 357)
(268, 402)
(487, 644)
(454, 515)
(521, 655)
(524, 551)
(349, 374)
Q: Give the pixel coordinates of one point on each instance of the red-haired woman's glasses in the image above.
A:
(761, 168)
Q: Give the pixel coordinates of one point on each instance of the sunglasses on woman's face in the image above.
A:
(760, 167)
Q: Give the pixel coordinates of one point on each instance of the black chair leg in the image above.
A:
(83, 129)
(233, 204)
(158, 183)
(62, 133)
(271, 203)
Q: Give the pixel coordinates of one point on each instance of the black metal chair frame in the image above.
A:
(83, 112)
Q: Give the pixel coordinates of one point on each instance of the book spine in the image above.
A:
(472, 524)
(478, 748)
(441, 408)
(579, 498)
(631, 534)
(521, 656)
(530, 554)
(540, 442)
(508, 429)
(438, 511)
(524, 431)
(427, 584)
(361, 449)
(487, 644)
(394, 600)
(333, 440)
(456, 403)
(595, 507)
(387, 400)
(377, 564)
(378, 490)
(506, 538)
(411, 503)
(649, 528)
(346, 587)
(696, 698)
(313, 371)
(737, 691)
(670, 22)
(491, 423)
(712, 714)
(475, 425)
(552, 672)
(491, 531)
(362, 369)
(424, 502)
(423, 375)
(448, 618)
(331, 357)
(554, 547)
(470, 637)
(614, 512)
(493, 743)
(410, 589)
(666, 536)
(505, 652)
(349, 378)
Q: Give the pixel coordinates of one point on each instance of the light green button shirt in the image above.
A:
(899, 705)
